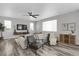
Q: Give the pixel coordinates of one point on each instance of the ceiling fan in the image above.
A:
(33, 15)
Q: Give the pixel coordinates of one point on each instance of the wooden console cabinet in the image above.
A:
(67, 39)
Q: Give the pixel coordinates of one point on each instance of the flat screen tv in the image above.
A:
(21, 27)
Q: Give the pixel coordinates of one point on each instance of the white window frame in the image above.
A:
(49, 26)
(7, 24)
(32, 26)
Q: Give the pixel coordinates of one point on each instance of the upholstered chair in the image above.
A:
(21, 42)
(52, 39)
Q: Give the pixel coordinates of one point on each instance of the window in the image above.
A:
(49, 26)
(7, 24)
(31, 26)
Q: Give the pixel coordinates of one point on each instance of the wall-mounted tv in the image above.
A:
(21, 27)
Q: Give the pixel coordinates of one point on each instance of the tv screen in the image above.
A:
(21, 27)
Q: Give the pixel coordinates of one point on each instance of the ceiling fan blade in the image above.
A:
(36, 15)
(30, 13)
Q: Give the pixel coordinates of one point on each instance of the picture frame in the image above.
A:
(65, 27)
(71, 26)
(21, 27)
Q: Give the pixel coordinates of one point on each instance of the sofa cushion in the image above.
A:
(21, 41)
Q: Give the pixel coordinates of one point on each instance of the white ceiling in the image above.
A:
(18, 10)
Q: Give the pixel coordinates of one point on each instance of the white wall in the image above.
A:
(9, 32)
(72, 17)
(38, 26)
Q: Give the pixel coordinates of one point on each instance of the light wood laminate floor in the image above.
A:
(10, 48)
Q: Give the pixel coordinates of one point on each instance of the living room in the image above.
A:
(39, 29)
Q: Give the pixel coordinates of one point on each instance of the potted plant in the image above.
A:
(1, 30)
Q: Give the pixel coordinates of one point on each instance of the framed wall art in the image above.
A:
(65, 27)
(71, 26)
